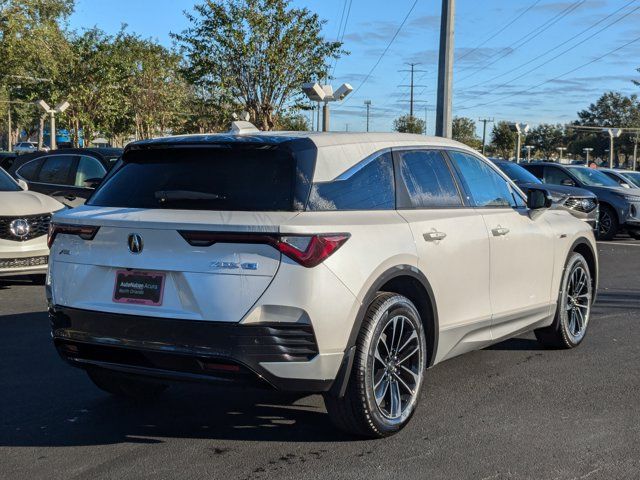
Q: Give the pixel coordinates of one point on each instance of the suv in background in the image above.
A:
(578, 202)
(70, 176)
(619, 206)
(344, 264)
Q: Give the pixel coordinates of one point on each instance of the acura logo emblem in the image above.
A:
(19, 228)
(135, 243)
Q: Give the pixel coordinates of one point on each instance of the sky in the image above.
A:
(530, 61)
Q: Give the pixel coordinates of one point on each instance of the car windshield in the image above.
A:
(7, 184)
(517, 173)
(592, 177)
(632, 177)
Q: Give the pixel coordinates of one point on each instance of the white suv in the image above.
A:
(345, 264)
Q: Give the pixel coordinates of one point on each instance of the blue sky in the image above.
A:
(501, 77)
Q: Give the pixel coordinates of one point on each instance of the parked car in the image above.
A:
(24, 223)
(70, 176)
(619, 207)
(344, 264)
(624, 178)
(578, 202)
(27, 147)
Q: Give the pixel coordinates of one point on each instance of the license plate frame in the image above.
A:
(139, 287)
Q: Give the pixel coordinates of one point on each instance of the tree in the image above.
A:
(255, 54)
(546, 138)
(408, 124)
(503, 139)
(464, 130)
(293, 122)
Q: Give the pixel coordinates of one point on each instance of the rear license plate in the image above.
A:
(141, 288)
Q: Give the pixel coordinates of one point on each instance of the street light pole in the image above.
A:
(587, 151)
(561, 149)
(528, 148)
(61, 107)
(368, 104)
(445, 70)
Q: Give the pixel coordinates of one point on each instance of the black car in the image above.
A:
(68, 175)
(619, 207)
(580, 203)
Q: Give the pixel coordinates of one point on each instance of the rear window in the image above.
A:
(230, 178)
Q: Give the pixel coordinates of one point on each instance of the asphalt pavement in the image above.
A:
(513, 411)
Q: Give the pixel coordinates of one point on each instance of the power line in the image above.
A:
(342, 26)
(484, 42)
(384, 52)
(525, 39)
(557, 47)
(555, 78)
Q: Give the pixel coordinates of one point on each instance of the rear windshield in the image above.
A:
(230, 178)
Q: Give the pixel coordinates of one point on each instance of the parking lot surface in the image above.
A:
(513, 411)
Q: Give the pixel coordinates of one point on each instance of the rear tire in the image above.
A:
(388, 370)
(570, 324)
(609, 225)
(125, 386)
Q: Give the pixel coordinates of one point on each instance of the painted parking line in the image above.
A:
(620, 243)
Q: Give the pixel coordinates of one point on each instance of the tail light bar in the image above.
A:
(86, 232)
(306, 250)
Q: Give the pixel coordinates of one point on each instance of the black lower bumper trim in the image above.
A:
(184, 349)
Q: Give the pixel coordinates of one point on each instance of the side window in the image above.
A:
(555, 176)
(368, 188)
(88, 167)
(428, 179)
(487, 188)
(29, 170)
(537, 170)
(56, 170)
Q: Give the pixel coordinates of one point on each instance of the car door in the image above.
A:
(521, 245)
(452, 245)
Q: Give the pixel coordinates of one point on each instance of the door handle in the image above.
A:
(434, 236)
(499, 231)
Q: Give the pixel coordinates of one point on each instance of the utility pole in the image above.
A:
(426, 109)
(368, 105)
(635, 151)
(484, 132)
(445, 70)
(412, 86)
(9, 126)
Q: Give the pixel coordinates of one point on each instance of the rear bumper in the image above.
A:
(191, 350)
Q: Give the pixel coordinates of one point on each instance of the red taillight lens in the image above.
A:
(86, 232)
(307, 250)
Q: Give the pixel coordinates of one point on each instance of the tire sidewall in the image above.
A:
(396, 305)
(613, 229)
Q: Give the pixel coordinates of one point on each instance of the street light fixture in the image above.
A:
(521, 129)
(587, 151)
(61, 107)
(613, 133)
(324, 93)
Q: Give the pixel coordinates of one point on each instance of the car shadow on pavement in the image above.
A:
(46, 402)
(618, 299)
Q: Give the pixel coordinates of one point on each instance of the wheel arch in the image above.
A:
(410, 282)
(584, 248)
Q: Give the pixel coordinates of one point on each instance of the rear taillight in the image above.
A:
(307, 250)
(86, 232)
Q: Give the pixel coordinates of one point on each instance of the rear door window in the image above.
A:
(88, 168)
(555, 176)
(369, 186)
(428, 179)
(29, 170)
(230, 178)
(56, 169)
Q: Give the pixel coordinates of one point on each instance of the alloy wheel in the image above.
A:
(605, 223)
(397, 372)
(578, 302)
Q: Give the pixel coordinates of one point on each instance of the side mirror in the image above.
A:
(538, 198)
(92, 182)
(568, 182)
(23, 185)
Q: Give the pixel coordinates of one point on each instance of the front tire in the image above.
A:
(609, 225)
(125, 386)
(388, 370)
(570, 324)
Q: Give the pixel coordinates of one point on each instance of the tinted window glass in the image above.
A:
(516, 173)
(28, 170)
(368, 188)
(88, 168)
(242, 178)
(55, 170)
(487, 188)
(7, 184)
(428, 179)
(535, 170)
(555, 176)
(592, 177)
